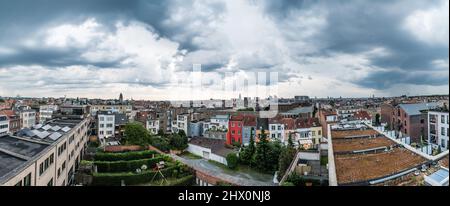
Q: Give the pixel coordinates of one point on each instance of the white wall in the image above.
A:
(197, 150)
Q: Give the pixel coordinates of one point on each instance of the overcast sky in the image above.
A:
(99, 48)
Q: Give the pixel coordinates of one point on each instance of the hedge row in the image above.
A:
(115, 179)
(184, 181)
(127, 166)
(110, 157)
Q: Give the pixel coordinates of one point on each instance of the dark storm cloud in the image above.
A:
(385, 79)
(359, 26)
(23, 17)
(52, 57)
(353, 27)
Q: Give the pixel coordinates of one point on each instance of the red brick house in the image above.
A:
(408, 120)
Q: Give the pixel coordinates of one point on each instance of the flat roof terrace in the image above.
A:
(343, 134)
(22, 147)
(358, 168)
(9, 163)
(350, 145)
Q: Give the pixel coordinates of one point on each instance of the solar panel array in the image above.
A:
(46, 131)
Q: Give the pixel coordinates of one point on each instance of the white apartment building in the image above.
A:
(153, 126)
(45, 155)
(276, 130)
(181, 123)
(106, 125)
(4, 125)
(438, 128)
(218, 122)
(46, 112)
(28, 118)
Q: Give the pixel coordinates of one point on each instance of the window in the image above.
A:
(102, 119)
(109, 132)
(232, 124)
(41, 168)
(443, 119)
(46, 164)
(27, 180)
(102, 125)
(18, 184)
(109, 119)
(320, 133)
(52, 159)
(59, 172)
(50, 183)
(443, 131)
(443, 143)
(273, 136)
(109, 125)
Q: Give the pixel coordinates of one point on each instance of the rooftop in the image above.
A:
(415, 109)
(120, 119)
(366, 167)
(299, 110)
(350, 145)
(342, 134)
(15, 151)
(49, 132)
(307, 123)
(217, 146)
(9, 163)
(21, 146)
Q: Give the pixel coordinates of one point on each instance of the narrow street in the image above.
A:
(249, 178)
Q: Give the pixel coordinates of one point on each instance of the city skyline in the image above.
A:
(98, 49)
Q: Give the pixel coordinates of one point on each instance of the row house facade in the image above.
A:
(438, 128)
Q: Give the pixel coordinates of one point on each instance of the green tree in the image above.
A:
(274, 155)
(261, 159)
(161, 133)
(246, 154)
(232, 161)
(161, 143)
(178, 142)
(286, 157)
(182, 133)
(136, 134)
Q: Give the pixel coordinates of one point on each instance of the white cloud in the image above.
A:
(73, 35)
(430, 26)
